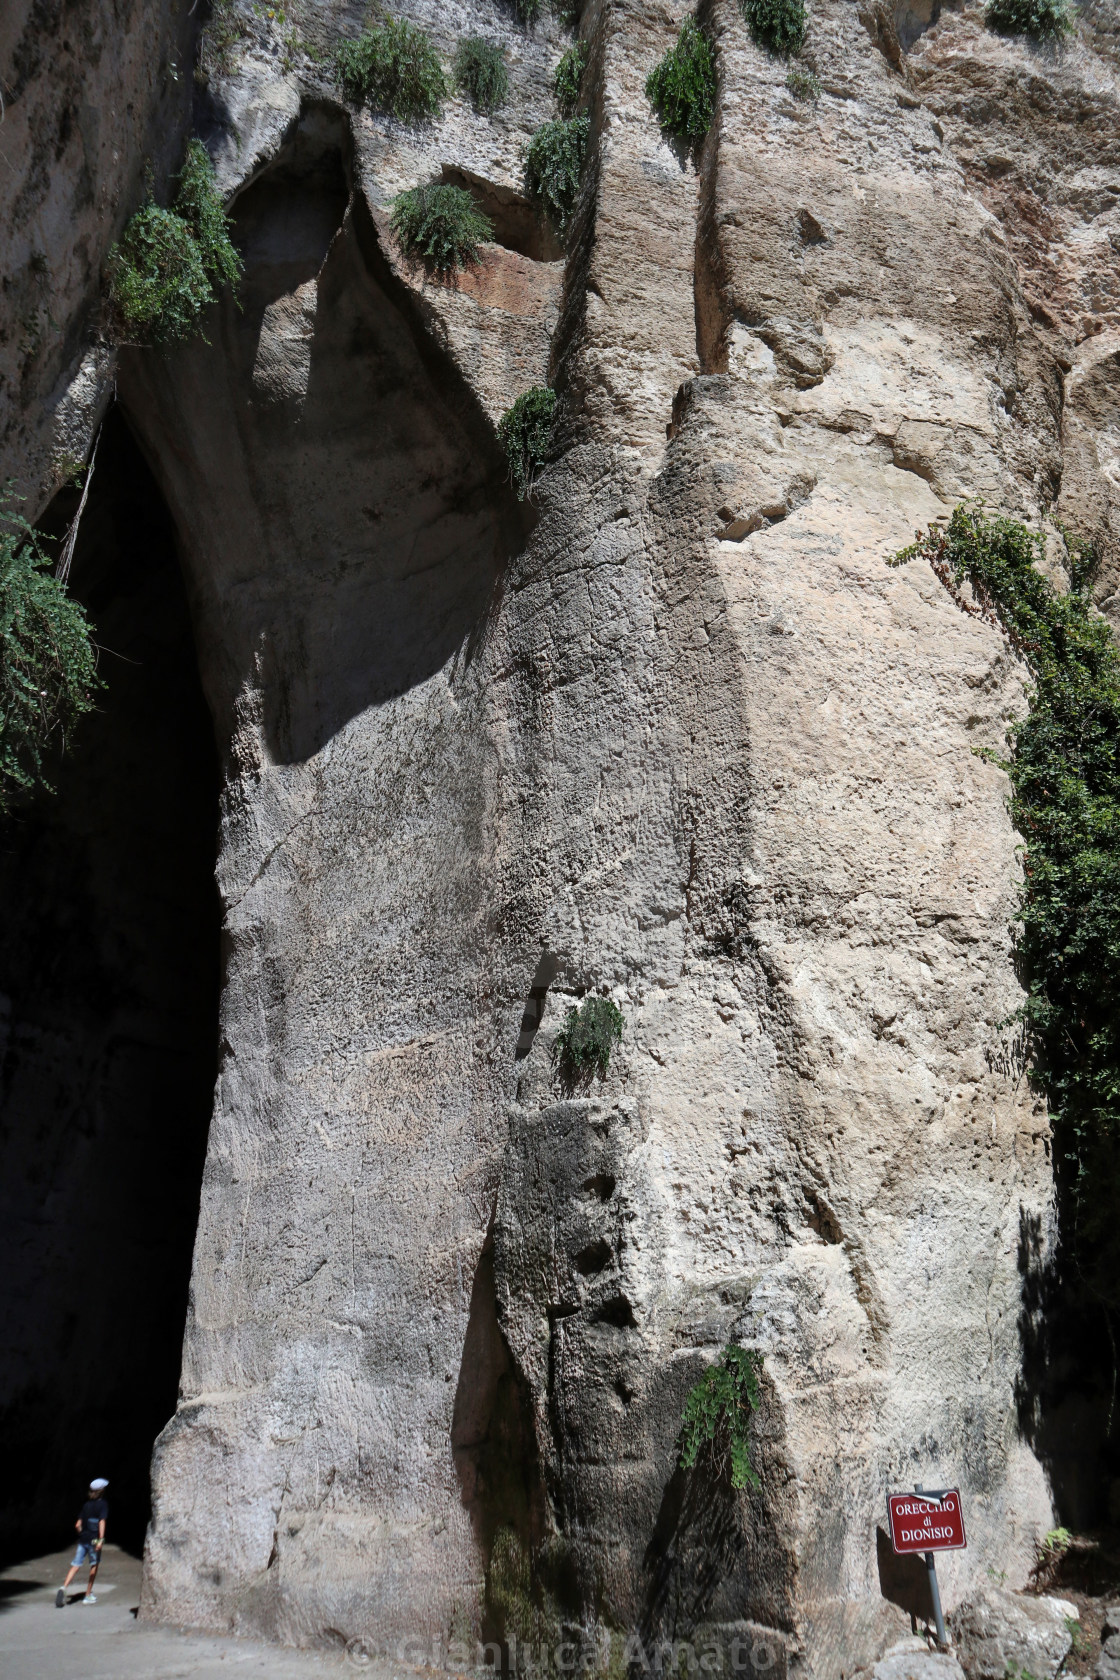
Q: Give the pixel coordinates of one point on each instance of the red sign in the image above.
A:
(926, 1522)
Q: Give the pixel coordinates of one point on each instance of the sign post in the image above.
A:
(931, 1522)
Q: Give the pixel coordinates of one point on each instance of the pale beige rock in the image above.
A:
(676, 732)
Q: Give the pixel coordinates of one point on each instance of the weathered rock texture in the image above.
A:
(679, 733)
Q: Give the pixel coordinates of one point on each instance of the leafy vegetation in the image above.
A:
(568, 75)
(480, 73)
(682, 88)
(1042, 19)
(528, 11)
(777, 25)
(171, 264)
(1064, 768)
(803, 84)
(718, 1412)
(392, 67)
(584, 1043)
(225, 29)
(48, 669)
(524, 432)
(440, 224)
(554, 165)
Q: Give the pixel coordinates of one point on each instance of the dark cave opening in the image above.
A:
(109, 983)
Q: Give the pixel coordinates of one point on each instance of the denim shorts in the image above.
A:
(87, 1552)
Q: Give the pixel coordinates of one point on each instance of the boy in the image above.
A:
(91, 1537)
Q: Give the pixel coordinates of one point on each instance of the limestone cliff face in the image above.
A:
(676, 732)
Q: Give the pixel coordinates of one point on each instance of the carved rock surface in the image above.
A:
(997, 1630)
(676, 732)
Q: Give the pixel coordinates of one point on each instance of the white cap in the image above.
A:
(98, 1484)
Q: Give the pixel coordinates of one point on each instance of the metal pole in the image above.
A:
(935, 1593)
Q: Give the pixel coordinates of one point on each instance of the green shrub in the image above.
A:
(1064, 768)
(568, 75)
(803, 84)
(170, 264)
(392, 67)
(1041, 18)
(718, 1411)
(528, 11)
(48, 669)
(524, 432)
(682, 88)
(777, 25)
(584, 1043)
(440, 224)
(554, 164)
(480, 73)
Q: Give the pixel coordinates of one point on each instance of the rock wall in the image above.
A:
(675, 731)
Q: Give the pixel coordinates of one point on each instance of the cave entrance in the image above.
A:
(109, 983)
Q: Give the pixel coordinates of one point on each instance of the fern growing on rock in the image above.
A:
(48, 668)
(554, 166)
(568, 75)
(441, 225)
(480, 73)
(584, 1043)
(393, 67)
(1041, 19)
(777, 25)
(682, 87)
(169, 265)
(524, 432)
(718, 1413)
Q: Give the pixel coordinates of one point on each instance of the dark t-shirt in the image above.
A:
(94, 1513)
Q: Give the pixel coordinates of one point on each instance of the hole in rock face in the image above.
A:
(109, 976)
(618, 1313)
(593, 1259)
(601, 1185)
(516, 223)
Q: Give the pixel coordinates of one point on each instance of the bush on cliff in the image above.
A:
(48, 667)
(1042, 19)
(584, 1043)
(480, 73)
(717, 1413)
(170, 264)
(777, 25)
(1064, 768)
(554, 165)
(682, 88)
(392, 67)
(568, 75)
(441, 225)
(524, 432)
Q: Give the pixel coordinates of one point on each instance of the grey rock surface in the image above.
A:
(996, 1631)
(913, 1660)
(674, 732)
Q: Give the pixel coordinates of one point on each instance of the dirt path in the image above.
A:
(106, 1642)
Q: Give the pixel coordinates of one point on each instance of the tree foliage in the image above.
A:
(480, 73)
(393, 67)
(584, 1043)
(718, 1412)
(440, 224)
(1042, 19)
(554, 166)
(682, 88)
(524, 431)
(48, 668)
(568, 75)
(169, 265)
(777, 25)
(1064, 768)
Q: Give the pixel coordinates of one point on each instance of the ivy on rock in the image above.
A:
(1064, 769)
